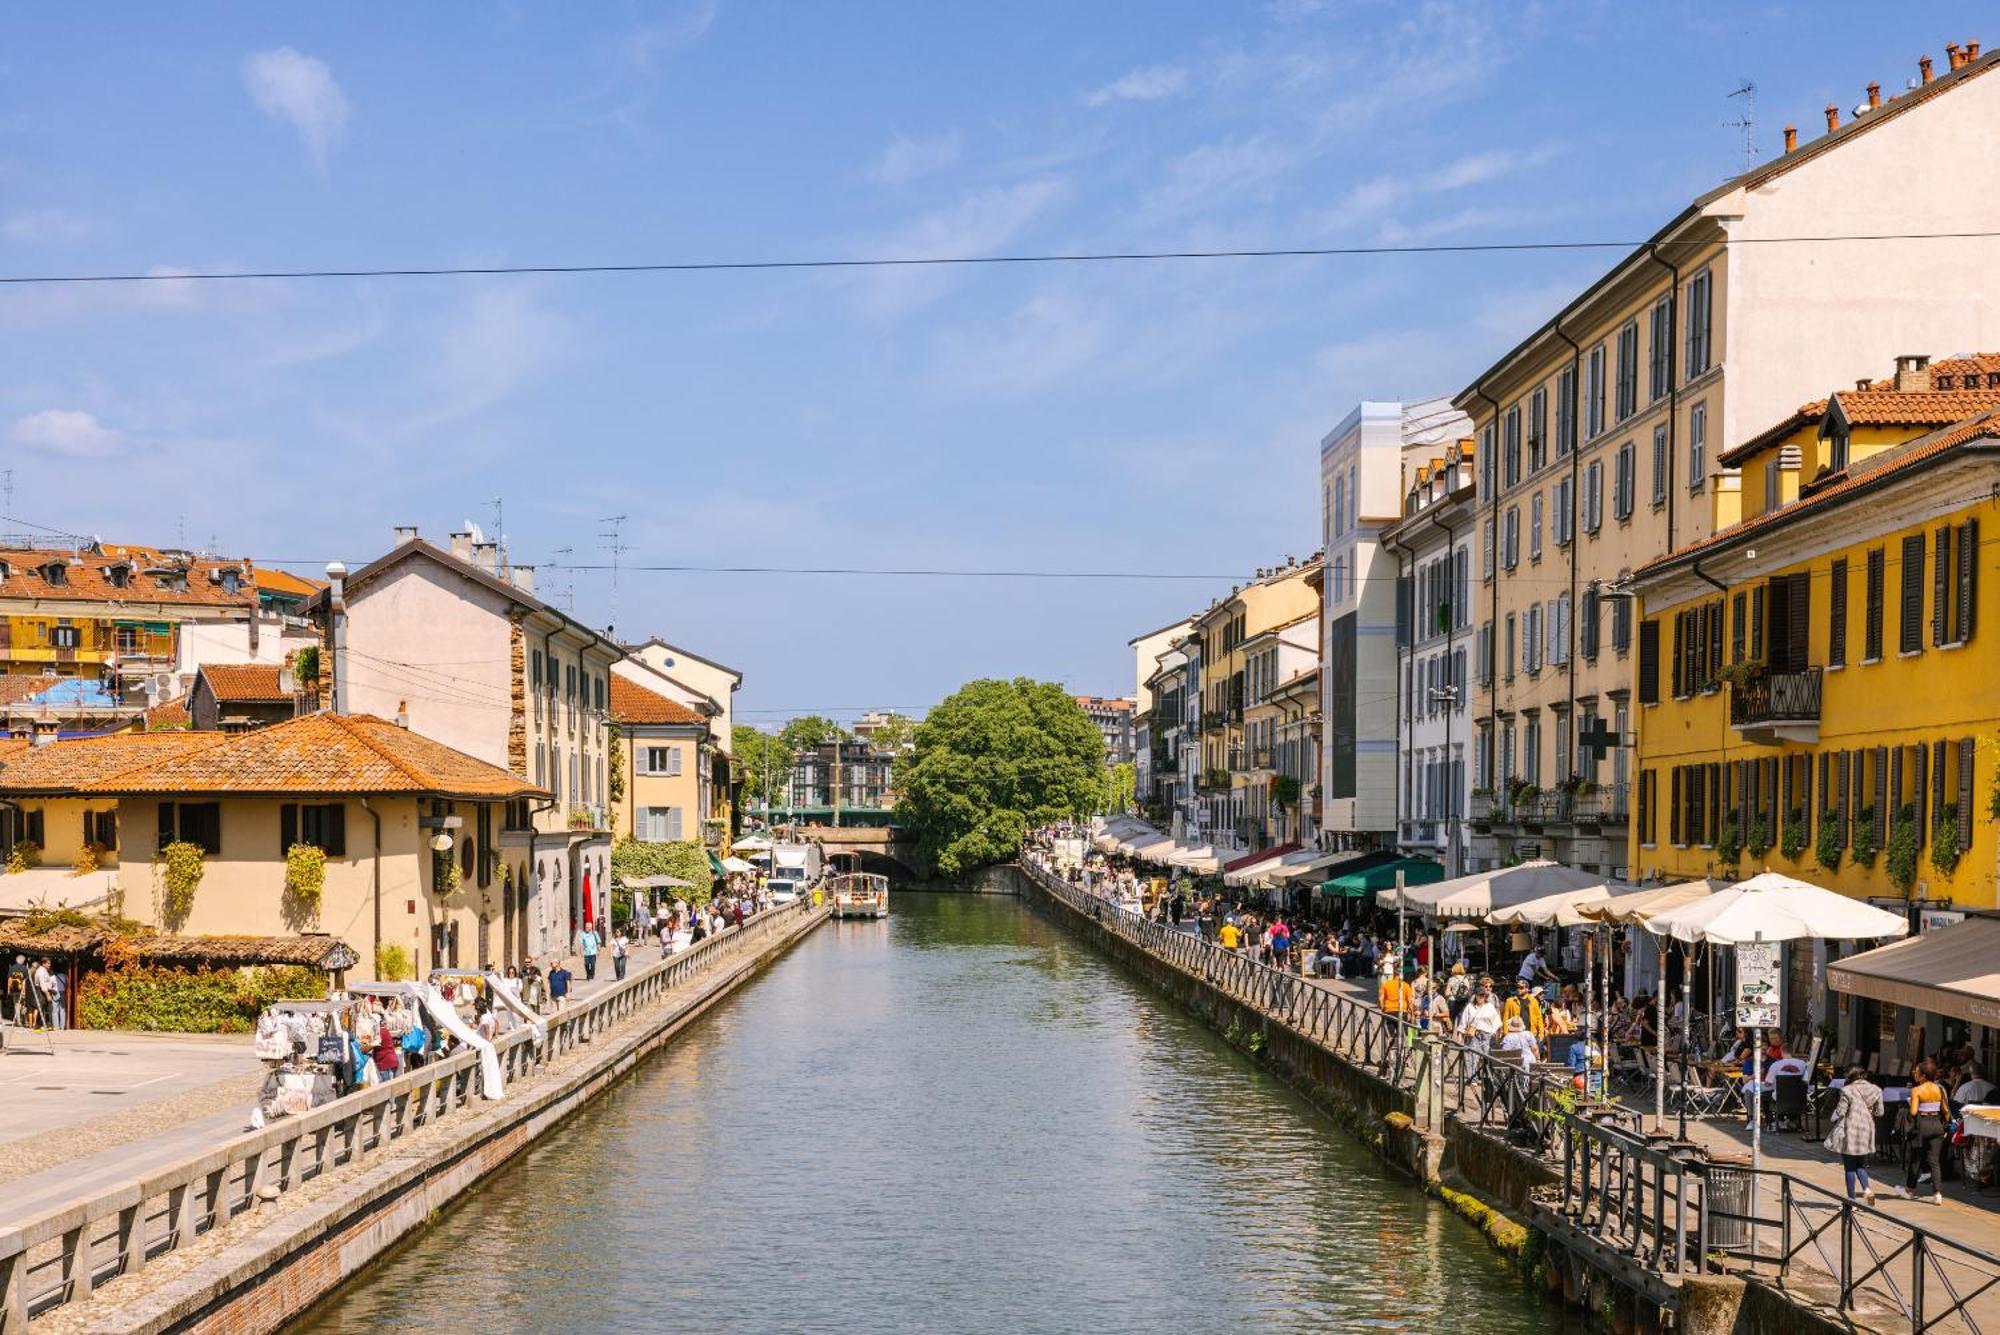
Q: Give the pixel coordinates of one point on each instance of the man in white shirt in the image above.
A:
(1975, 1088)
(44, 986)
(1481, 1020)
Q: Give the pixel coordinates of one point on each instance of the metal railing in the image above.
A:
(1776, 697)
(62, 1255)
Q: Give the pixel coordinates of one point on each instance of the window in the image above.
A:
(1836, 615)
(1659, 465)
(1623, 484)
(541, 765)
(1510, 538)
(1954, 590)
(322, 825)
(1564, 518)
(1535, 527)
(1699, 313)
(1559, 618)
(101, 828)
(1911, 640)
(1531, 751)
(1531, 638)
(1486, 550)
(65, 637)
(1649, 661)
(537, 672)
(1871, 625)
(1538, 429)
(1628, 370)
(1698, 446)
(1621, 625)
(1339, 505)
(1483, 653)
(660, 825)
(569, 682)
(1510, 646)
(192, 823)
(665, 760)
(1486, 462)
(1593, 393)
(1565, 411)
(1588, 632)
(1511, 461)
(1660, 362)
(1593, 496)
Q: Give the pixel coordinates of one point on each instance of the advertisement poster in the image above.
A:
(1758, 987)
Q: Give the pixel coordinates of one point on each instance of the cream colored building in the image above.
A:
(665, 762)
(457, 644)
(1599, 435)
(712, 681)
(374, 797)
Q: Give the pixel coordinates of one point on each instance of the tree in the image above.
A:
(760, 759)
(802, 734)
(896, 733)
(992, 762)
(1121, 786)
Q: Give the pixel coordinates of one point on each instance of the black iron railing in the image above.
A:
(1776, 697)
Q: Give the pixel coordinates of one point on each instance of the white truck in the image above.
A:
(795, 869)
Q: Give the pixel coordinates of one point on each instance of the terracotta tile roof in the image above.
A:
(1831, 490)
(633, 703)
(14, 688)
(172, 714)
(1807, 414)
(1889, 407)
(88, 577)
(284, 582)
(317, 753)
(247, 683)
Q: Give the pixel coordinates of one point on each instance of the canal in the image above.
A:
(961, 1119)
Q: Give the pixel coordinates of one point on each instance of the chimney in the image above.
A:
(336, 620)
(1791, 138)
(1924, 68)
(405, 533)
(461, 543)
(1832, 118)
(403, 714)
(1863, 383)
(1951, 55)
(523, 577)
(1874, 96)
(46, 731)
(1913, 374)
(1971, 52)
(486, 555)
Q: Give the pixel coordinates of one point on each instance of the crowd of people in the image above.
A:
(37, 994)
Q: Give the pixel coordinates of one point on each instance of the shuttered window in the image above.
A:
(1941, 587)
(1965, 759)
(1911, 640)
(1736, 611)
(1673, 810)
(1757, 623)
(1649, 662)
(1844, 799)
(1968, 593)
(1920, 790)
(1881, 796)
(1871, 635)
(1836, 615)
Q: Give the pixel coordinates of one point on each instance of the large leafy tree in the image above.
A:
(763, 762)
(810, 731)
(993, 761)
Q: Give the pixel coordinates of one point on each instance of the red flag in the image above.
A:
(587, 901)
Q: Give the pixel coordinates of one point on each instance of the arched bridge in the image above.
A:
(875, 848)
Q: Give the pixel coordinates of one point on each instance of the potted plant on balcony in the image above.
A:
(1793, 843)
(1522, 793)
(1758, 841)
(1743, 673)
(1285, 790)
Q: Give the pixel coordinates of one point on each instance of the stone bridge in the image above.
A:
(873, 848)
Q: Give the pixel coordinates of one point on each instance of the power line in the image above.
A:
(926, 573)
(944, 261)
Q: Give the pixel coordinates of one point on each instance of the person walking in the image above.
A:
(620, 948)
(1481, 1018)
(1395, 994)
(1929, 1111)
(558, 983)
(1850, 1133)
(42, 987)
(58, 1000)
(590, 944)
(1458, 990)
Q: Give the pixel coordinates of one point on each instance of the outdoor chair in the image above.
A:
(1696, 1094)
(1790, 1100)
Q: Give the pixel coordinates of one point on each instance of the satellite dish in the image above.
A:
(441, 842)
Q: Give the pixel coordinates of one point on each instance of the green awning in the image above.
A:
(715, 865)
(1359, 884)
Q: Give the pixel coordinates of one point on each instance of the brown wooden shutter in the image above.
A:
(1713, 786)
(288, 827)
(1820, 812)
(1736, 627)
(1912, 638)
(1845, 801)
(1881, 796)
(1968, 583)
(1798, 614)
(1941, 588)
(1649, 662)
(1836, 620)
(1757, 622)
(1921, 790)
(1674, 811)
(1965, 760)
(1715, 640)
(1872, 638)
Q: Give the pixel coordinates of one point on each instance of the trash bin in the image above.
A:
(1731, 1202)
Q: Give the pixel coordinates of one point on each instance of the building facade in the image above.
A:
(1363, 464)
(665, 791)
(841, 783)
(1228, 807)
(1112, 717)
(1599, 435)
(1434, 545)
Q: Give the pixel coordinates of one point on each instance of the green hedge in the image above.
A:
(190, 1001)
(686, 859)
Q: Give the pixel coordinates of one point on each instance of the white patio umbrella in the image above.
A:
(1643, 906)
(1479, 894)
(756, 843)
(1770, 907)
(1565, 908)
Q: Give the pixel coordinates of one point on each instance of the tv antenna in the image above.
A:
(6, 490)
(500, 527)
(614, 544)
(1746, 122)
(567, 594)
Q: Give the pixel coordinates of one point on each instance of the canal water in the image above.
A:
(961, 1119)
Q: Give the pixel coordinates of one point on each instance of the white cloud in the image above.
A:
(908, 157)
(65, 431)
(1144, 85)
(37, 225)
(298, 90)
(1386, 193)
(484, 351)
(1231, 172)
(978, 224)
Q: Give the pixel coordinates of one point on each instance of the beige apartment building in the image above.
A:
(1230, 812)
(1600, 434)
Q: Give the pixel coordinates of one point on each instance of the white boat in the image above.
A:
(859, 895)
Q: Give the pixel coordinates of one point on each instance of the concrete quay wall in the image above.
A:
(272, 1274)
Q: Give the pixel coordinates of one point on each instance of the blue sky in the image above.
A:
(1145, 416)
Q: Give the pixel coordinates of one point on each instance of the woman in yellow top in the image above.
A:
(1396, 996)
(1231, 937)
(1929, 1111)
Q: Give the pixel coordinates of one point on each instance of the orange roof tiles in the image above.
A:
(89, 577)
(247, 683)
(1889, 407)
(633, 703)
(172, 714)
(317, 753)
(284, 582)
(1838, 487)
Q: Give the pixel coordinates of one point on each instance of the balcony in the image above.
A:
(1486, 809)
(1772, 707)
(1213, 781)
(1600, 805)
(1423, 833)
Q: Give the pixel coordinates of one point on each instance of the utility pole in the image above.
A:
(614, 544)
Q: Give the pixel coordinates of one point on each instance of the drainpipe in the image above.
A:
(376, 874)
(1451, 799)
(336, 614)
(1673, 382)
(1575, 504)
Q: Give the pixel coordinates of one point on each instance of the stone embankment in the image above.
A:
(1488, 1139)
(245, 1238)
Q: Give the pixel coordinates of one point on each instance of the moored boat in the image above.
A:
(859, 895)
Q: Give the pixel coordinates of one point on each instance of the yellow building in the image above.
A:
(376, 799)
(1240, 637)
(663, 766)
(112, 614)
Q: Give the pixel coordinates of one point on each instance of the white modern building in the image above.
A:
(1435, 643)
(1364, 463)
